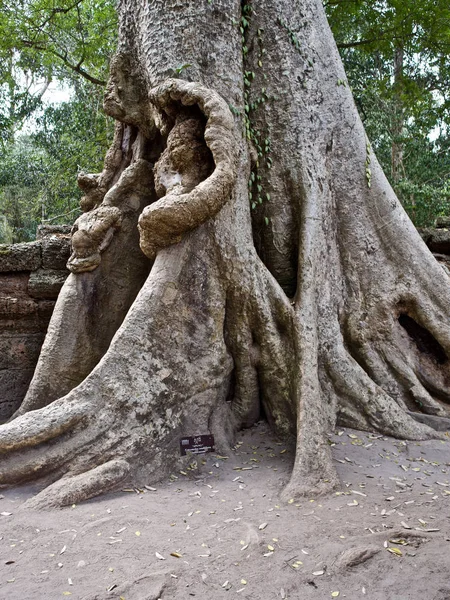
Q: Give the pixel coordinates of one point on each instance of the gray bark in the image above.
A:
(320, 304)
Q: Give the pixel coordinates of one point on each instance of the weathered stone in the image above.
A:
(16, 308)
(14, 284)
(19, 351)
(45, 310)
(29, 324)
(442, 222)
(13, 386)
(439, 240)
(20, 257)
(55, 251)
(46, 230)
(46, 283)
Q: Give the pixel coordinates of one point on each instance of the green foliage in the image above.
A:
(23, 172)
(38, 171)
(396, 56)
(42, 41)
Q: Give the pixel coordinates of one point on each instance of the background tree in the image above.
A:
(38, 170)
(396, 57)
(341, 315)
(43, 44)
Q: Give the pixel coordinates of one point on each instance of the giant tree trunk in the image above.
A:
(287, 280)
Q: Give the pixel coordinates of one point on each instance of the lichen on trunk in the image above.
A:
(279, 277)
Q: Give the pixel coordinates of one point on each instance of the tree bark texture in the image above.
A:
(284, 278)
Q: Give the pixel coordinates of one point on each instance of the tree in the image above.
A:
(280, 275)
(38, 171)
(41, 41)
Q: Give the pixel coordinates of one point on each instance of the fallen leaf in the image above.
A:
(334, 594)
(176, 554)
(395, 551)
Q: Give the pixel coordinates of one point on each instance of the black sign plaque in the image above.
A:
(199, 444)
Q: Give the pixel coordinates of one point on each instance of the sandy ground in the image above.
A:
(224, 533)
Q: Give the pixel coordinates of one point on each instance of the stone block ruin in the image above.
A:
(31, 275)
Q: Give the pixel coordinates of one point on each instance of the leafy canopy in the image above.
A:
(43, 41)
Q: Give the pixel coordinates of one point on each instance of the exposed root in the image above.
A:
(405, 375)
(365, 405)
(404, 360)
(34, 428)
(91, 235)
(437, 423)
(73, 489)
(366, 548)
(183, 208)
(355, 556)
(93, 231)
(260, 333)
(143, 396)
(96, 185)
(126, 94)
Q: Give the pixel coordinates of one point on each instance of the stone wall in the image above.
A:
(437, 239)
(31, 275)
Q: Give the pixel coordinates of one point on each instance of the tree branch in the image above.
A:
(63, 57)
(57, 11)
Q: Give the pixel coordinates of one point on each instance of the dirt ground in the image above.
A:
(223, 532)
